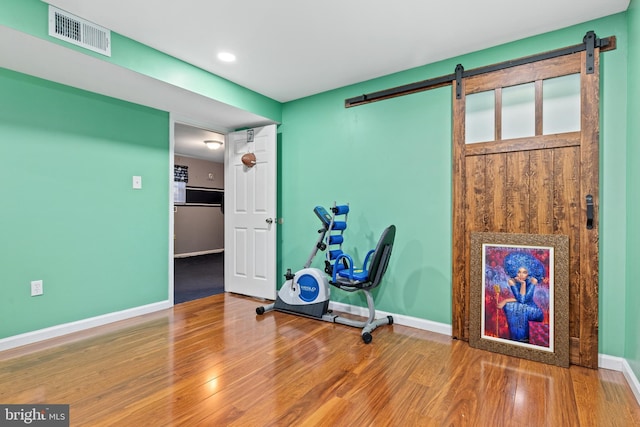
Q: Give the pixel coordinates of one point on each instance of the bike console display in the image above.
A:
(323, 215)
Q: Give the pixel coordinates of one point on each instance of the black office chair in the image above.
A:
(346, 277)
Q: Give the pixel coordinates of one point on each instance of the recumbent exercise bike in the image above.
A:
(307, 291)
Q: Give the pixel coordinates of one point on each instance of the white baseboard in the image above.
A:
(610, 362)
(80, 325)
(399, 319)
(631, 379)
(620, 364)
(188, 254)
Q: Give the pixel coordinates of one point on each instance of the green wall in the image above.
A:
(613, 135)
(31, 17)
(391, 160)
(382, 159)
(632, 338)
(69, 214)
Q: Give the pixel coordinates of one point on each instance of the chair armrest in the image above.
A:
(365, 266)
(349, 262)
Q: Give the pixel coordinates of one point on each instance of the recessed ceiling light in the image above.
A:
(226, 57)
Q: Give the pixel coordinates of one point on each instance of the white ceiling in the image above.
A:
(289, 49)
(286, 49)
(190, 142)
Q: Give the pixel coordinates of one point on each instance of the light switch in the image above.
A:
(137, 182)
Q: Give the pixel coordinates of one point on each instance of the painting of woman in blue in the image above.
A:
(525, 272)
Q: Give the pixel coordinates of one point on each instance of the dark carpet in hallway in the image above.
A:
(198, 277)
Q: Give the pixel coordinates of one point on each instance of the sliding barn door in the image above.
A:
(526, 161)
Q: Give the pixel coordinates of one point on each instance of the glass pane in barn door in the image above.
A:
(518, 111)
(479, 117)
(561, 104)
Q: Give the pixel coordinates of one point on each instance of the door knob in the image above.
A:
(269, 220)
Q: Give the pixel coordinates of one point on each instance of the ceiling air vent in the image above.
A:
(70, 28)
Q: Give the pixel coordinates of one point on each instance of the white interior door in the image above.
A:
(250, 213)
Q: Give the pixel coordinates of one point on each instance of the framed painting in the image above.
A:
(519, 302)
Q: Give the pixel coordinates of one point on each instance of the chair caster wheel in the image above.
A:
(367, 338)
(260, 310)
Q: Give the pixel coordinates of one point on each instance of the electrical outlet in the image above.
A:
(36, 288)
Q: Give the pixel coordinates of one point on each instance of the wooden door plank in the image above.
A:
(476, 194)
(475, 189)
(459, 315)
(517, 189)
(496, 193)
(590, 124)
(541, 192)
(566, 177)
(549, 68)
(538, 107)
(527, 143)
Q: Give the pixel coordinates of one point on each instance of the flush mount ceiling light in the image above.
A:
(213, 145)
(226, 57)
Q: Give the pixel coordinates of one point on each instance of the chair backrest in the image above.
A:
(381, 256)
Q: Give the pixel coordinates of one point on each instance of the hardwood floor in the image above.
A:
(213, 362)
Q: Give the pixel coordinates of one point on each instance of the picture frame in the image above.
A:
(519, 295)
